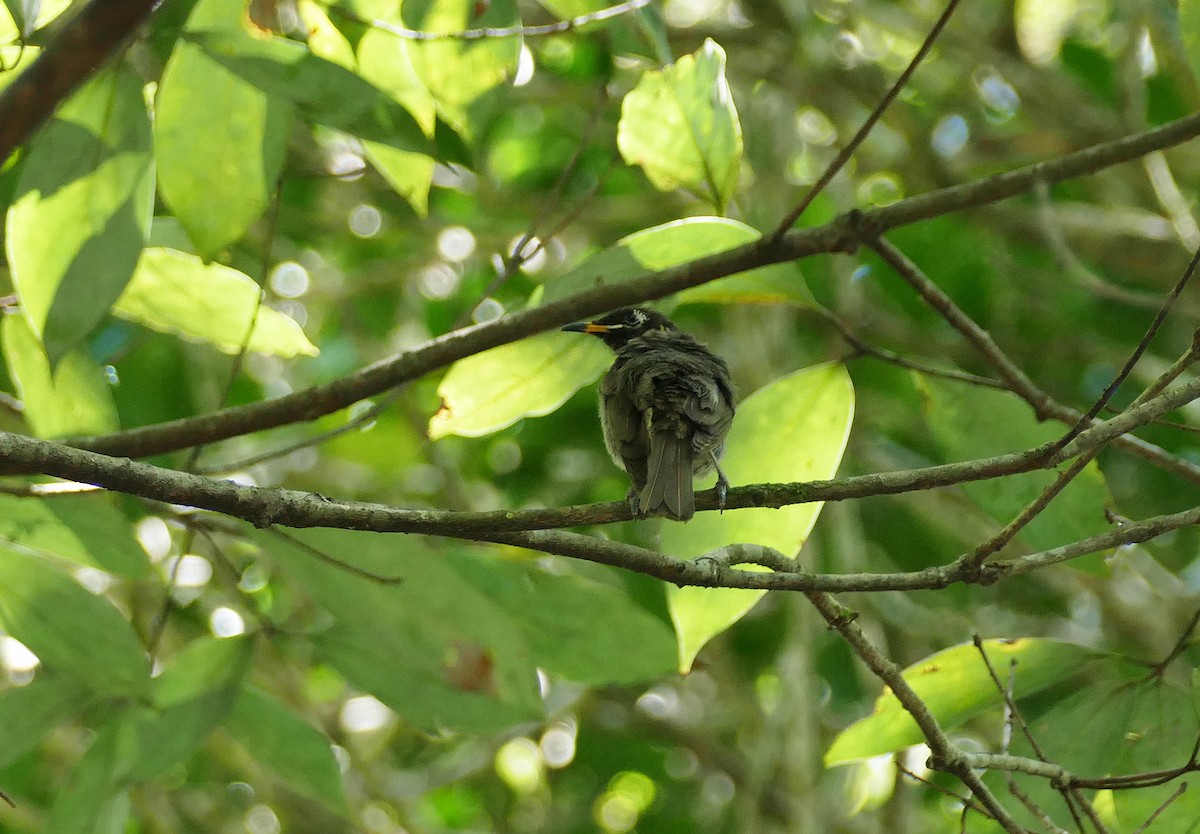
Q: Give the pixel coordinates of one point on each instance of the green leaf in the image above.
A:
(681, 127)
(94, 800)
(956, 686)
(178, 293)
(493, 389)
(456, 72)
(433, 649)
(70, 629)
(82, 209)
(193, 695)
(585, 630)
(969, 422)
(289, 745)
(323, 92)
(86, 529)
(1120, 719)
(72, 399)
(409, 174)
(680, 241)
(1189, 30)
(219, 141)
(383, 60)
(28, 713)
(794, 429)
(1159, 734)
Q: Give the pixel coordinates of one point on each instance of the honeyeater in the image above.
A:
(666, 405)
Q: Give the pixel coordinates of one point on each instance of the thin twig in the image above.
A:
(946, 756)
(845, 153)
(1014, 378)
(350, 425)
(322, 556)
(1178, 793)
(865, 348)
(517, 255)
(498, 32)
(1142, 345)
(235, 367)
(1035, 809)
(841, 234)
(1185, 637)
(964, 800)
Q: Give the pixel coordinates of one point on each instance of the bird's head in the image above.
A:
(619, 326)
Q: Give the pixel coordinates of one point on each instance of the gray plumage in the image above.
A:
(666, 405)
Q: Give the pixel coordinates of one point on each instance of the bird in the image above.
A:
(666, 406)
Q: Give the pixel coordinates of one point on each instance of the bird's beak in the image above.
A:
(586, 327)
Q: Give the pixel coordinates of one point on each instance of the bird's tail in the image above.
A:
(669, 477)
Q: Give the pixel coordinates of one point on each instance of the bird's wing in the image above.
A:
(710, 404)
(624, 428)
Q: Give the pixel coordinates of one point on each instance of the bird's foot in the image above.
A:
(722, 483)
(634, 500)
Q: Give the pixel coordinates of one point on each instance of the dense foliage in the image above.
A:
(235, 252)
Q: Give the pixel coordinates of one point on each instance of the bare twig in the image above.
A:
(1142, 345)
(353, 424)
(322, 556)
(839, 235)
(865, 348)
(845, 153)
(1166, 802)
(85, 43)
(1185, 637)
(946, 756)
(239, 359)
(517, 256)
(499, 32)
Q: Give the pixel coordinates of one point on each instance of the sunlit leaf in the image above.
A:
(794, 429)
(955, 685)
(74, 398)
(493, 389)
(86, 529)
(457, 72)
(289, 745)
(219, 141)
(324, 92)
(178, 293)
(383, 60)
(681, 127)
(409, 174)
(82, 209)
(70, 629)
(680, 241)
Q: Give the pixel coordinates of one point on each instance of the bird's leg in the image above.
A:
(722, 482)
(634, 498)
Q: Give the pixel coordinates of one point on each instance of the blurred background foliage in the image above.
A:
(426, 689)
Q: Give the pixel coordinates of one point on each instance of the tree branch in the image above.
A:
(840, 235)
(82, 46)
(946, 756)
